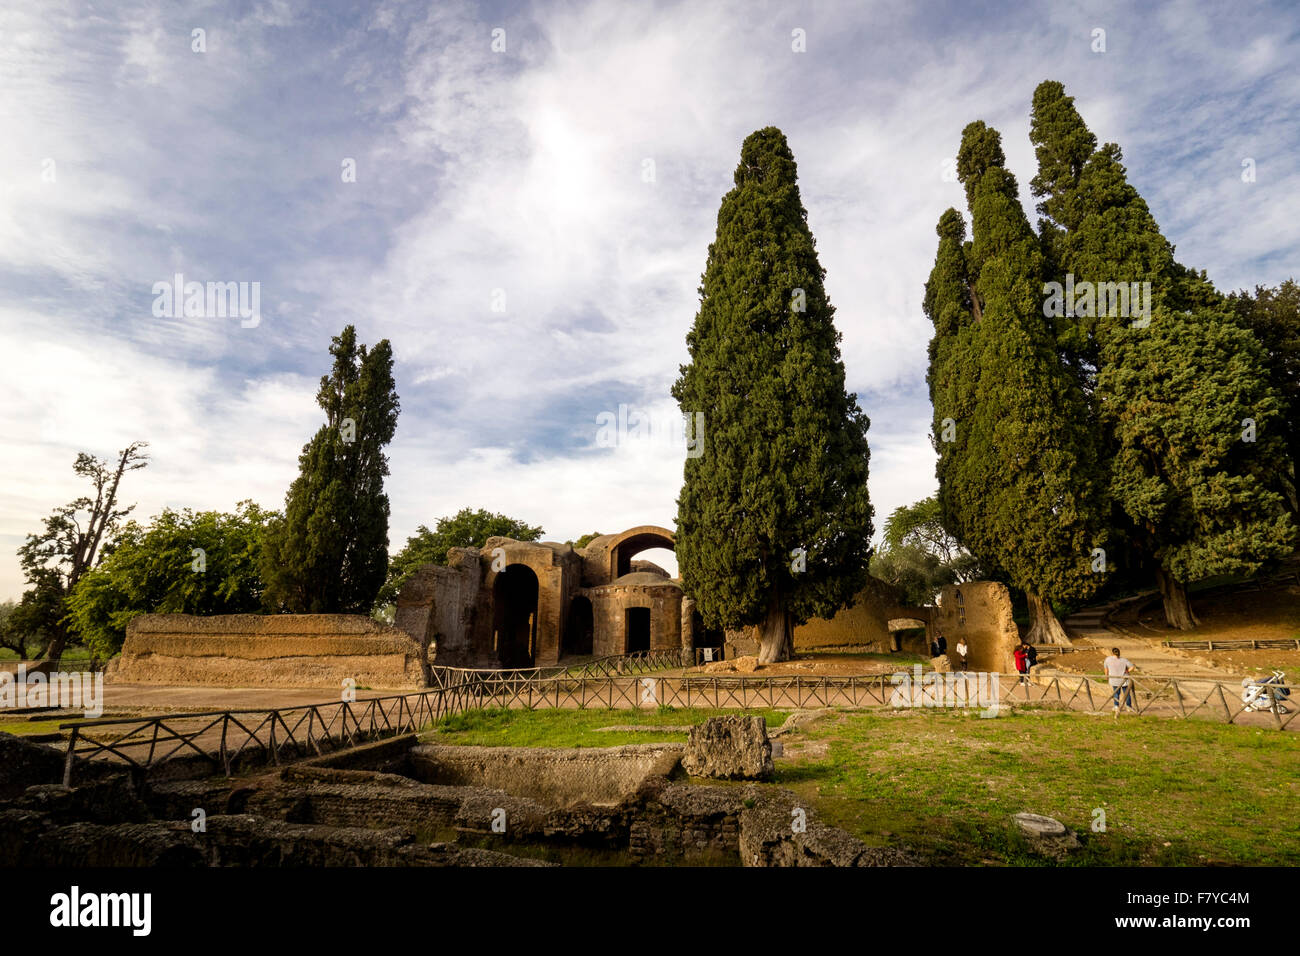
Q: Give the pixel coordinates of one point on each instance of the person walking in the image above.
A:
(1117, 669)
(1022, 662)
(962, 651)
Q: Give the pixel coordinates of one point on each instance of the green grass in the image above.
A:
(21, 727)
(574, 728)
(948, 783)
(71, 653)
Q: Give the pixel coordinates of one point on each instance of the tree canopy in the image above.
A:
(181, 562)
(774, 522)
(467, 528)
(329, 553)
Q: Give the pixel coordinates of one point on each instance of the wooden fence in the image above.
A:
(222, 738)
(1281, 643)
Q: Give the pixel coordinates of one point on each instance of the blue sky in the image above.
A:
(522, 171)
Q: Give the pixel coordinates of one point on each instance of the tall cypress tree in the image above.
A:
(953, 375)
(1183, 405)
(1023, 479)
(773, 523)
(329, 554)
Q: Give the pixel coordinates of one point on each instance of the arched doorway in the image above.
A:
(581, 629)
(909, 634)
(636, 630)
(514, 616)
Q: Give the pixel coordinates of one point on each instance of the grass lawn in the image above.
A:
(946, 783)
(20, 727)
(574, 728)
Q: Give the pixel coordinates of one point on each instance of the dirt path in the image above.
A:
(1091, 634)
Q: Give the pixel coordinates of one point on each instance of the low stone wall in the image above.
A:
(275, 650)
(558, 777)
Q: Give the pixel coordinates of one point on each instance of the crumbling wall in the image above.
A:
(558, 777)
(275, 650)
(979, 611)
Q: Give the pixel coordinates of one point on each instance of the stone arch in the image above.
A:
(624, 547)
(515, 593)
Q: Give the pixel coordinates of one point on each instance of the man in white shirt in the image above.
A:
(1116, 669)
(962, 651)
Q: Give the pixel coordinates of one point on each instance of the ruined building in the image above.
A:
(527, 604)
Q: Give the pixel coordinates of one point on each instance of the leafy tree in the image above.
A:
(773, 521)
(329, 553)
(585, 540)
(1022, 476)
(1174, 391)
(918, 555)
(182, 562)
(465, 529)
(1273, 316)
(54, 560)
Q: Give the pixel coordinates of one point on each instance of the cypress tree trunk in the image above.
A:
(1044, 626)
(1178, 610)
(775, 636)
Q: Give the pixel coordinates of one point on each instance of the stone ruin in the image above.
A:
(398, 803)
(519, 604)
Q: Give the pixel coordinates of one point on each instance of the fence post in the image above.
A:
(68, 760)
(225, 754)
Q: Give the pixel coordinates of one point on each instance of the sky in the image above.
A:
(520, 198)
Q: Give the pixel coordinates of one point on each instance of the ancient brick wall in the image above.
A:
(274, 650)
(980, 611)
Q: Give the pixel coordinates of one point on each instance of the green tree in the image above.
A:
(54, 560)
(774, 521)
(953, 376)
(182, 562)
(585, 540)
(918, 555)
(465, 529)
(1176, 383)
(1273, 316)
(1024, 478)
(329, 553)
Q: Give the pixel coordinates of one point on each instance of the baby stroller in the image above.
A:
(1260, 694)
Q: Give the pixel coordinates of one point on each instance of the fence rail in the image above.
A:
(1280, 643)
(616, 665)
(224, 737)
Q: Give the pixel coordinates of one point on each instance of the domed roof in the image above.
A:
(645, 579)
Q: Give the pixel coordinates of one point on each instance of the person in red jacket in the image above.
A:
(1022, 662)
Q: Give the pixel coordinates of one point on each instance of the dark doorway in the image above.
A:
(638, 629)
(514, 616)
(580, 629)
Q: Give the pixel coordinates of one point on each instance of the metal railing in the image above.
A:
(222, 738)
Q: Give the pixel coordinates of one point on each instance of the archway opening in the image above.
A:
(637, 629)
(908, 634)
(580, 630)
(635, 542)
(514, 616)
